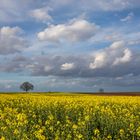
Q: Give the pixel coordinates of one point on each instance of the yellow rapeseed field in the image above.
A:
(69, 117)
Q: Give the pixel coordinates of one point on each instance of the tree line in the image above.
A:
(26, 86)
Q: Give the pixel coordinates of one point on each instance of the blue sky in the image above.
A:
(69, 45)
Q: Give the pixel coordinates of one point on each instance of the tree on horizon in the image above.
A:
(26, 86)
(101, 90)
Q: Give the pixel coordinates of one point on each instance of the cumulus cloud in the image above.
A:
(41, 14)
(7, 31)
(73, 31)
(115, 54)
(127, 56)
(11, 40)
(67, 66)
(99, 60)
(112, 61)
(128, 17)
(110, 64)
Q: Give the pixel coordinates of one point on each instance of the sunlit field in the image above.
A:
(69, 117)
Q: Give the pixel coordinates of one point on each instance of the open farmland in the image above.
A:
(69, 117)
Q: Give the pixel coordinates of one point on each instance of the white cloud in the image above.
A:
(117, 44)
(41, 14)
(15, 10)
(74, 31)
(8, 31)
(115, 54)
(127, 56)
(99, 60)
(128, 17)
(67, 66)
(101, 64)
(11, 40)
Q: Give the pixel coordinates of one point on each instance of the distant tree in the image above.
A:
(26, 86)
(101, 90)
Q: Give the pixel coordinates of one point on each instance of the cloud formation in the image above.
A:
(104, 34)
(114, 61)
(73, 31)
(11, 40)
(41, 14)
(128, 17)
(115, 54)
(11, 11)
(94, 5)
(67, 66)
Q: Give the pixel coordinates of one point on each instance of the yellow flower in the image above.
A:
(69, 136)
(40, 131)
(121, 131)
(109, 137)
(80, 136)
(3, 128)
(67, 116)
(87, 118)
(51, 117)
(96, 131)
(47, 122)
(138, 131)
(74, 126)
(51, 128)
(58, 122)
(16, 132)
(2, 138)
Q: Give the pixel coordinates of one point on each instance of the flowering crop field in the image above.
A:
(69, 117)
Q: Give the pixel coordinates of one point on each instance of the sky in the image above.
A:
(68, 45)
